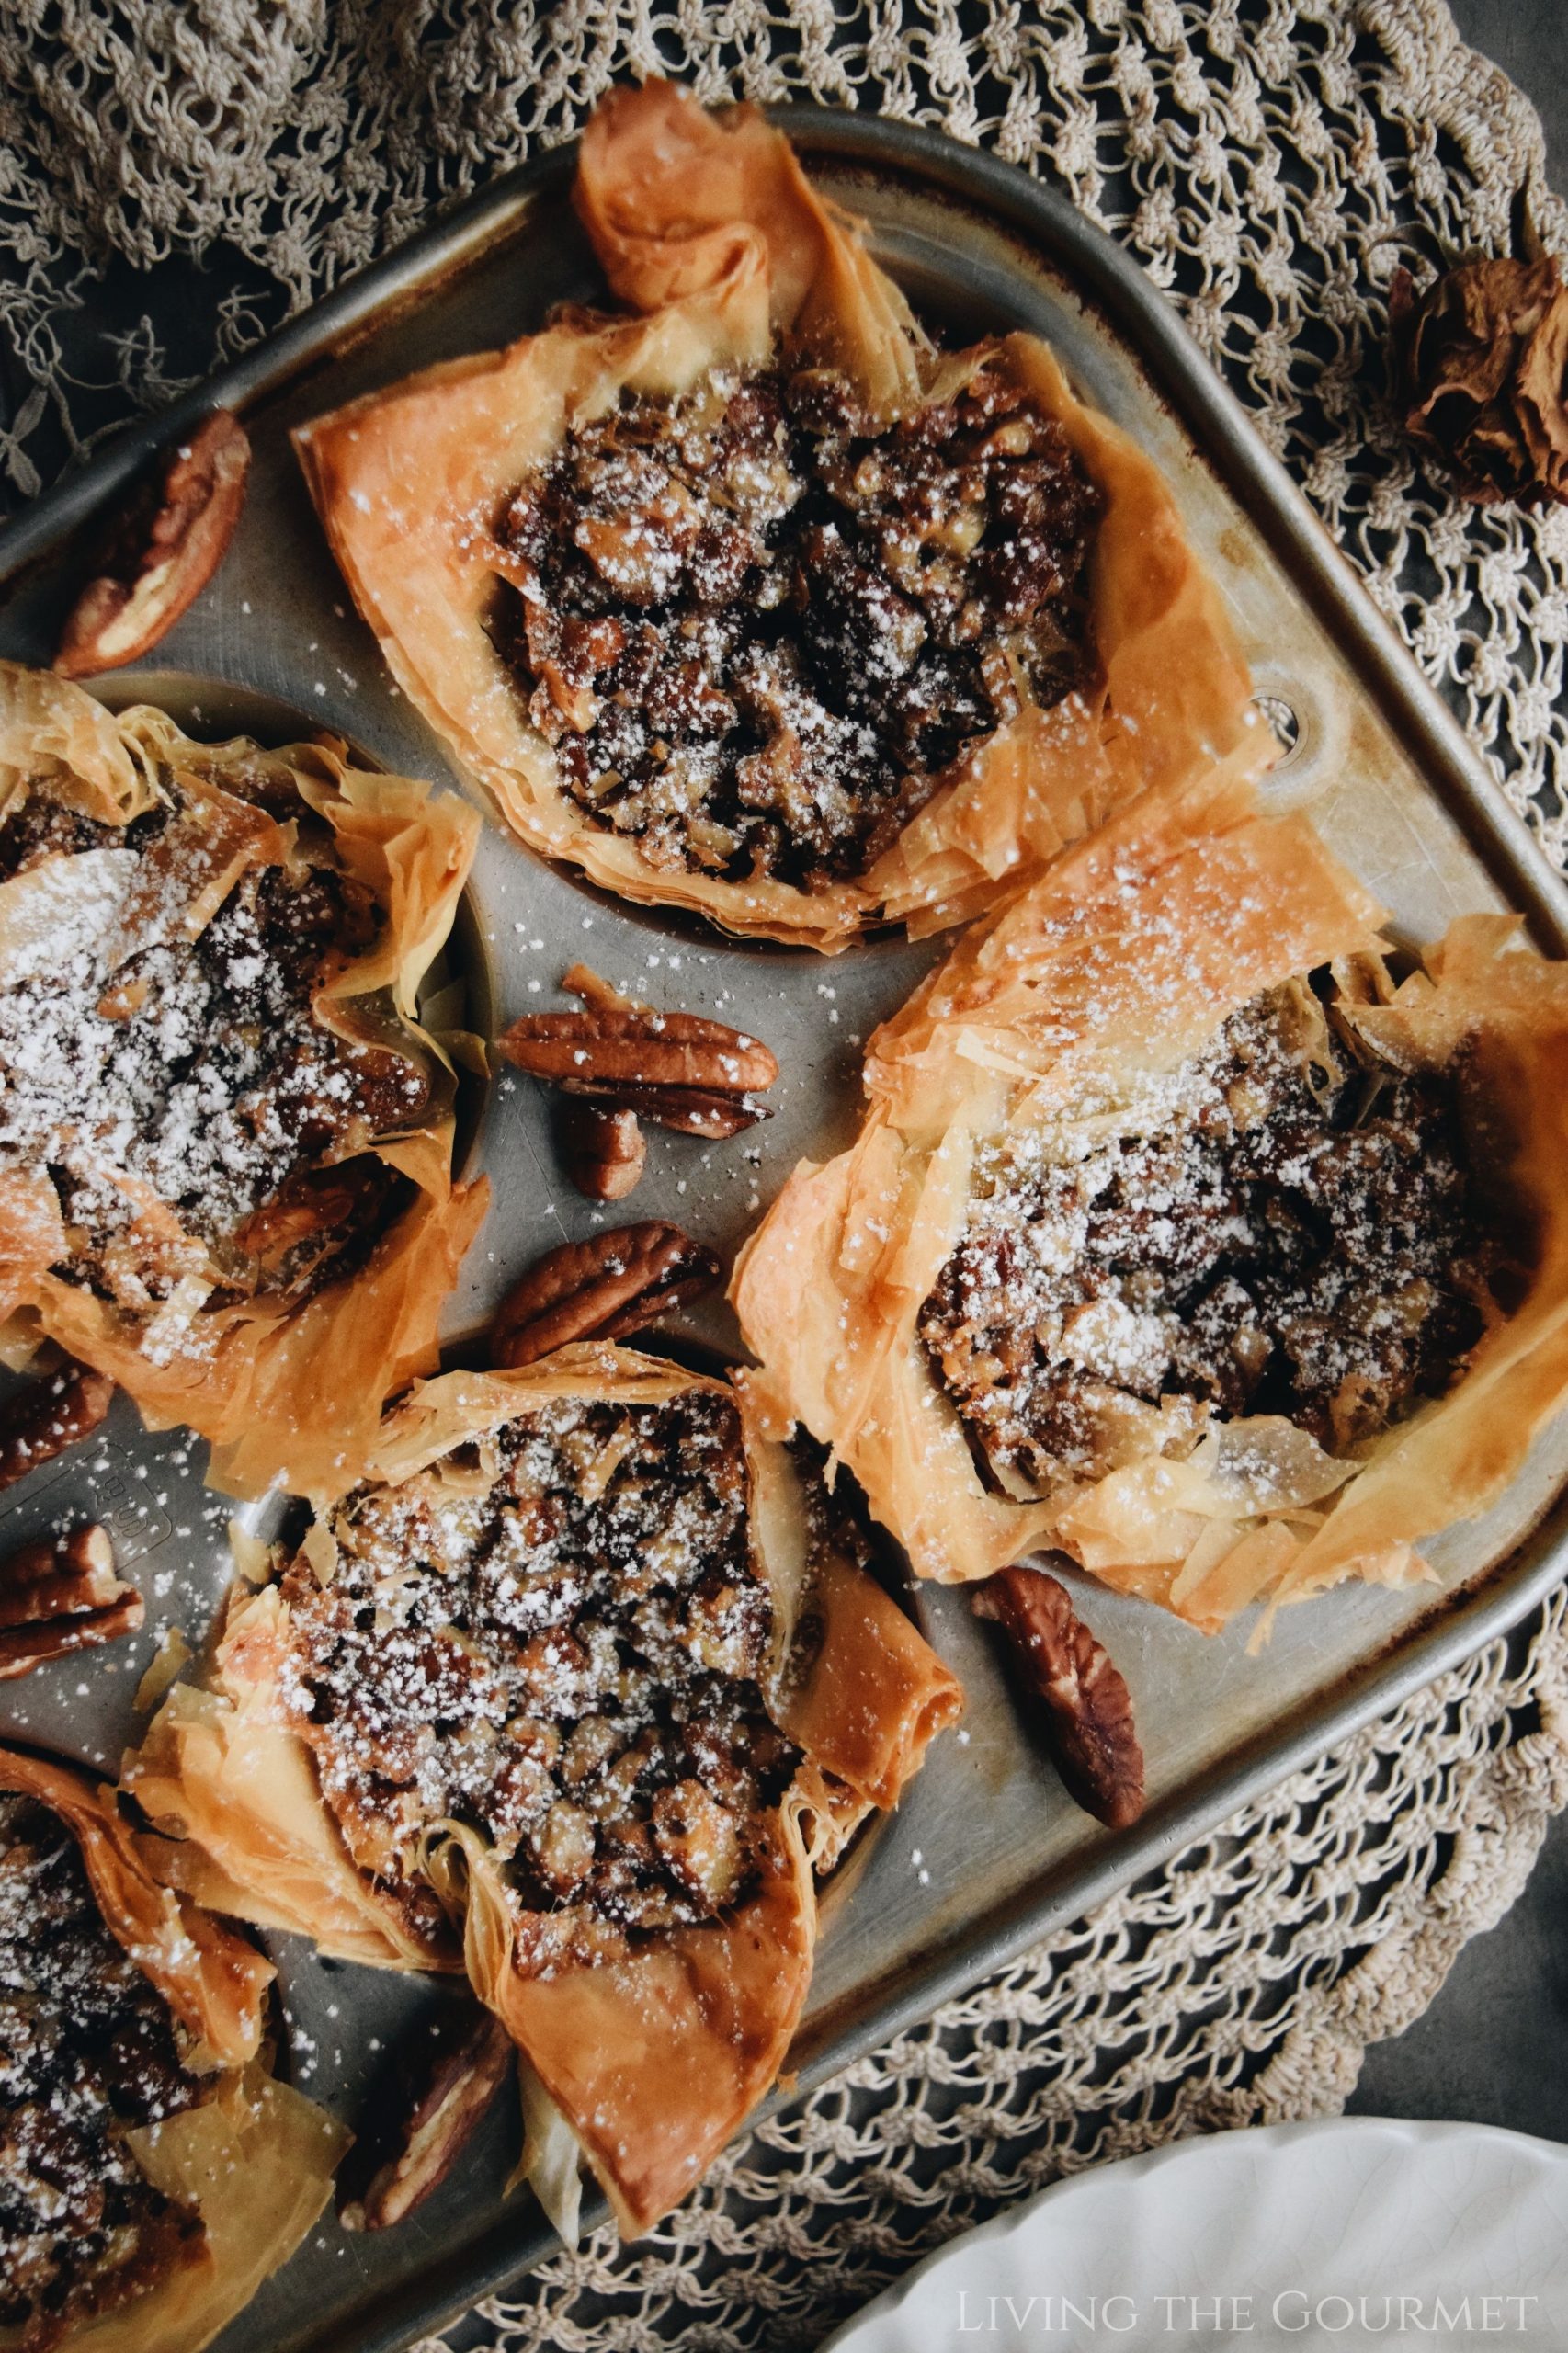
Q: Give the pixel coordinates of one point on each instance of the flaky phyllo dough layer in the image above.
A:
(244, 2169)
(1050, 1031)
(650, 2021)
(283, 1372)
(710, 233)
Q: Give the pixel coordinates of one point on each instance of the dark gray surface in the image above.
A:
(1494, 2046)
(1528, 39)
(1493, 2049)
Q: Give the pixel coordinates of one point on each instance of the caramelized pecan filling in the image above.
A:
(1290, 1232)
(560, 1645)
(758, 631)
(87, 2051)
(197, 1071)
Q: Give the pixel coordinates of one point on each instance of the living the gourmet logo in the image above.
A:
(1291, 2314)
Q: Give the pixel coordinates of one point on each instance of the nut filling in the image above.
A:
(195, 1076)
(758, 631)
(560, 1645)
(87, 2051)
(1291, 1233)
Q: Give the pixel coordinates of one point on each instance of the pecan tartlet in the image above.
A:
(755, 602)
(759, 627)
(1182, 1237)
(154, 2170)
(1289, 1230)
(225, 1141)
(577, 1694)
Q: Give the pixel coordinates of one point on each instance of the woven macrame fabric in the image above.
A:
(177, 177)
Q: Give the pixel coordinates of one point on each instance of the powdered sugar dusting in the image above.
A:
(561, 1647)
(1276, 1227)
(172, 1087)
(757, 626)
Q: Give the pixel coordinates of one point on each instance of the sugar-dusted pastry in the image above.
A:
(578, 1692)
(1181, 1236)
(755, 603)
(225, 1138)
(155, 2173)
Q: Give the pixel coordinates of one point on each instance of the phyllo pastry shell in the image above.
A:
(155, 2173)
(225, 1137)
(1181, 1237)
(578, 1694)
(753, 602)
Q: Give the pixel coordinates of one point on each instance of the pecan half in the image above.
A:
(170, 542)
(603, 1051)
(606, 1152)
(59, 1595)
(604, 1288)
(676, 1069)
(50, 1413)
(1088, 1718)
(422, 2115)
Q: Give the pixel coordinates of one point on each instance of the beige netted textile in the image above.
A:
(1270, 163)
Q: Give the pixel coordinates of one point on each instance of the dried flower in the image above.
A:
(1478, 367)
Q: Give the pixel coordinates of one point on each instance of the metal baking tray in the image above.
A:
(986, 1853)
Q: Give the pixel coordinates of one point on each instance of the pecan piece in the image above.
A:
(604, 1288)
(421, 2115)
(606, 1152)
(581, 979)
(171, 541)
(52, 1413)
(602, 1052)
(59, 1595)
(691, 1110)
(1088, 1709)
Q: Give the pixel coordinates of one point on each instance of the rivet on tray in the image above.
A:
(1282, 718)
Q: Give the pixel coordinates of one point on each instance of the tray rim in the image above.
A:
(1227, 442)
